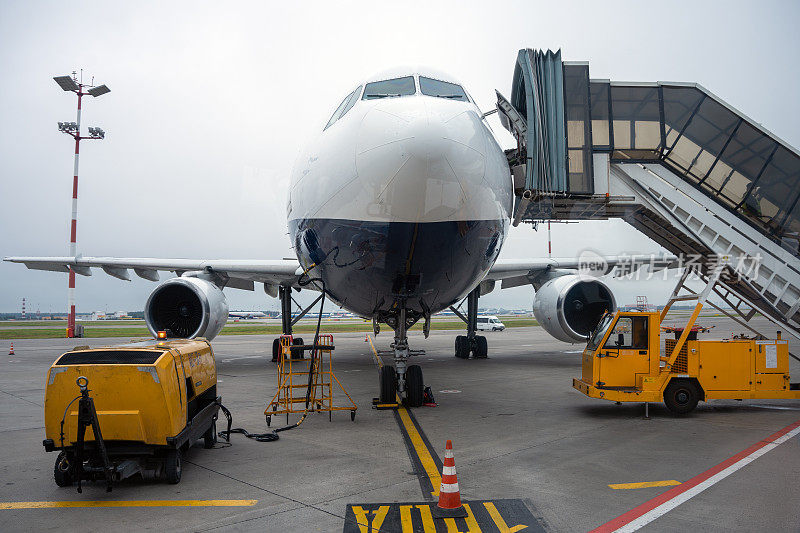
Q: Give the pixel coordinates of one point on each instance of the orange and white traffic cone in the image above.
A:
(11, 350)
(449, 505)
(366, 337)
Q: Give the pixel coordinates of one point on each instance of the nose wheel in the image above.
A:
(414, 383)
(388, 384)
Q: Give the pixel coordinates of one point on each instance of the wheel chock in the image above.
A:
(376, 404)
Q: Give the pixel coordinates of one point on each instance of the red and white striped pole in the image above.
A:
(73, 232)
(71, 84)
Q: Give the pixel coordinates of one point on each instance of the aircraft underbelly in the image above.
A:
(368, 265)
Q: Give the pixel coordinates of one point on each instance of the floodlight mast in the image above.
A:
(70, 83)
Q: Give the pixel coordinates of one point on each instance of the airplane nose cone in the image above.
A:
(426, 137)
(420, 163)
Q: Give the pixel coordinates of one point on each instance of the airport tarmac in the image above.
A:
(529, 450)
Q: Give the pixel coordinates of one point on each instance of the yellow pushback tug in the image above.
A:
(116, 411)
(623, 363)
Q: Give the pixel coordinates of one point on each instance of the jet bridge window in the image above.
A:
(389, 88)
(348, 102)
(629, 333)
(441, 89)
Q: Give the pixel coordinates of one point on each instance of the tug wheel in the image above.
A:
(210, 436)
(173, 466)
(681, 396)
(62, 471)
(269, 420)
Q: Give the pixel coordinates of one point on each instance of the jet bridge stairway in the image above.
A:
(674, 161)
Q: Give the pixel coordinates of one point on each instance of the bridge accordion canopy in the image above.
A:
(682, 126)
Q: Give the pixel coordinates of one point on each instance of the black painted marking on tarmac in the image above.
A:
(483, 516)
(425, 483)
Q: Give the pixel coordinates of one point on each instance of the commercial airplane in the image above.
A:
(400, 206)
(246, 314)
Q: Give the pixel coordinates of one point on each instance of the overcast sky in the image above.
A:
(212, 101)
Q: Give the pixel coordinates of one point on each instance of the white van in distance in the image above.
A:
(490, 323)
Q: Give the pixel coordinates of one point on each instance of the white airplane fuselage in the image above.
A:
(405, 200)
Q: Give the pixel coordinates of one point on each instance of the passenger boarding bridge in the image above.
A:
(674, 161)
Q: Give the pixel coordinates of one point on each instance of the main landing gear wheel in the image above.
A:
(415, 389)
(462, 347)
(276, 350)
(681, 396)
(298, 342)
(388, 379)
(481, 349)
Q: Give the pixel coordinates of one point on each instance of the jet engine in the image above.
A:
(186, 307)
(569, 307)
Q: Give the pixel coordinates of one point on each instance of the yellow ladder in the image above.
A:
(293, 374)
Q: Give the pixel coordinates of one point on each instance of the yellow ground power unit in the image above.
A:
(116, 411)
(623, 362)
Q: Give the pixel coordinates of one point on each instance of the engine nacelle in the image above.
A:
(569, 307)
(186, 307)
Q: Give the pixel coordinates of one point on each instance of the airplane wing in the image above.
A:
(516, 272)
(237, 274)
(243, 273)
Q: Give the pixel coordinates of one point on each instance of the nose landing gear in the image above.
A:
(403, 380)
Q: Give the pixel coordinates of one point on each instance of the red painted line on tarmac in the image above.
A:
(648, 506)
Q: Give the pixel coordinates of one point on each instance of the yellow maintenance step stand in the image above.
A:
(623, 362)
(294, 394)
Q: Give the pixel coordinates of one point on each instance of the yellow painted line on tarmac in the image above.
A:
(375, 352)
(422, 451)
(645, 484)
(499, 521)
(128, 503)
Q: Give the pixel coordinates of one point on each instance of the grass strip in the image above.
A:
(255, 329)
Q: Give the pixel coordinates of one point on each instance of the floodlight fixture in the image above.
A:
(97, 133)
(68, 127)
(99, 90)
(66, 83)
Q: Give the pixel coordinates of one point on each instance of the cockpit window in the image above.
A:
(348, 102)
(389, 88)
(442, 89)
(351, 102)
